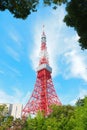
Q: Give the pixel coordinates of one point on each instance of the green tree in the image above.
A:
(50, 124)
(7, 123)
(63, 114)
(76, 13)
(35, 123)
(23, 8)
(5, 120)
(19, 124)
(81, 116)
(78, 120)
(80, 102)
(64, 117)
(19, 8)
(77, 18)
(3, 112)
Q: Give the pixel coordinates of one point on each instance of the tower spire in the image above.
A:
(43, 54)
(44, 93)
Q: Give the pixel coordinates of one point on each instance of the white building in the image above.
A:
(15, 110)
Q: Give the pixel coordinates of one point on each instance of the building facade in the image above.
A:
(14, 110)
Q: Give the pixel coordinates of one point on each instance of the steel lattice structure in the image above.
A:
(44, 93)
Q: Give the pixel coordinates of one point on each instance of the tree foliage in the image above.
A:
(19, 8)
(23, 8)
(81, 116)
(64, 117)
(81, 102)
(5, 120)
(77, 17)
(76, 13)
(18, 124)
(3, 112)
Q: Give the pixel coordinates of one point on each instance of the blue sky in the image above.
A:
(20, 42)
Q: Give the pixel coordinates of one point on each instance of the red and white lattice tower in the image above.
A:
(44, 93)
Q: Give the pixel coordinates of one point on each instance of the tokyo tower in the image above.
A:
(44, 93)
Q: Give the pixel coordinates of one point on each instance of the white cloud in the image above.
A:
(15, 36)
(14, 54)
(17, 96)
(14, 49)
(75, 60)
(26, 98)
(62, 47)
(76, 65)
(14, 70)
(52, 29)
(81, 95)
